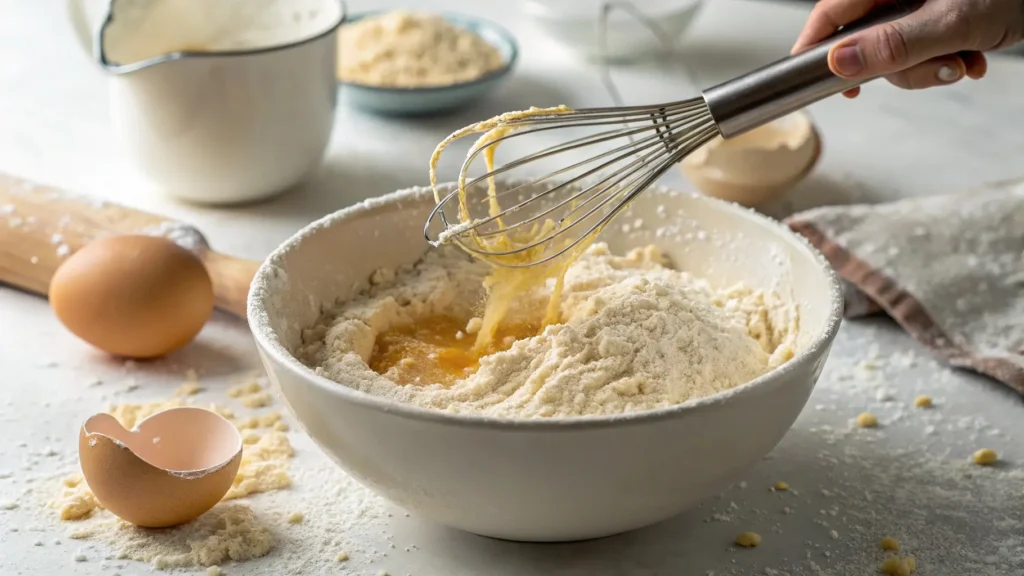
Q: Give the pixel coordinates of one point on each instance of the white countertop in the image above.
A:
(908, 479)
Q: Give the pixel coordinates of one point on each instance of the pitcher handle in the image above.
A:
(81, 25)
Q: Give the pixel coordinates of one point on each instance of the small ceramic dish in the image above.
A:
(759, 166)
(551, 479)
(419, 101)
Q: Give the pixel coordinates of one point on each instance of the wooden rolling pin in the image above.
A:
(40, 226)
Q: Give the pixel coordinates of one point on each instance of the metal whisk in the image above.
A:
(594, 177)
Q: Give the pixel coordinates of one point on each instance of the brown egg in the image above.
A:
(133, 296)
(174, 466)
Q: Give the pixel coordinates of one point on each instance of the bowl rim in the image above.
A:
(459, 19)
(266, 340)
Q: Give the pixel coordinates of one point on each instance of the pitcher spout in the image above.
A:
(137, 34)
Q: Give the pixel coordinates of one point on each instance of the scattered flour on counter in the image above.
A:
(635, 335)
(228, 532)
(74, 501)
(921, 493)
(188, 389)
(264, 466)
(249, 387)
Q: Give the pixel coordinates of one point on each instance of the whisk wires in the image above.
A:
(585, 181)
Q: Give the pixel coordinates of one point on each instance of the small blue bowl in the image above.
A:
(419, 101)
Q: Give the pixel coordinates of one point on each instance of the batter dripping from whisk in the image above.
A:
(505, 282)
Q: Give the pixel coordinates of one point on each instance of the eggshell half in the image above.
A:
(759, 166)
(174, 466)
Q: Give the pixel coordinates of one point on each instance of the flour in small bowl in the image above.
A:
(635, 335)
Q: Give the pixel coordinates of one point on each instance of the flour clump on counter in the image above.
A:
(634, 334)
(229, 532)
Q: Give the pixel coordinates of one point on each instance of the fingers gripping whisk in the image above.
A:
(575, 170)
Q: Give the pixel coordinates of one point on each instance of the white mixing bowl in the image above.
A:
(556, 479)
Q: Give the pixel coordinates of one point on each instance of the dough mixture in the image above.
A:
(632, 334)
(409, 50)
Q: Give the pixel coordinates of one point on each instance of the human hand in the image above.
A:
(940, 43)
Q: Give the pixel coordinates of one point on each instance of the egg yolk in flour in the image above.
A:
(435, 350)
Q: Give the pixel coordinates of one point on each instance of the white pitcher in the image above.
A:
(219, 101)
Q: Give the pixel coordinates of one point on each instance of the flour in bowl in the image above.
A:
(413, 50)
(635, 335)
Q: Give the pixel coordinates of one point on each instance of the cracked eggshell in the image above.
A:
(758, 166)
(173, 467)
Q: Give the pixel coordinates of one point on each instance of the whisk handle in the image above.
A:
(789, 84)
